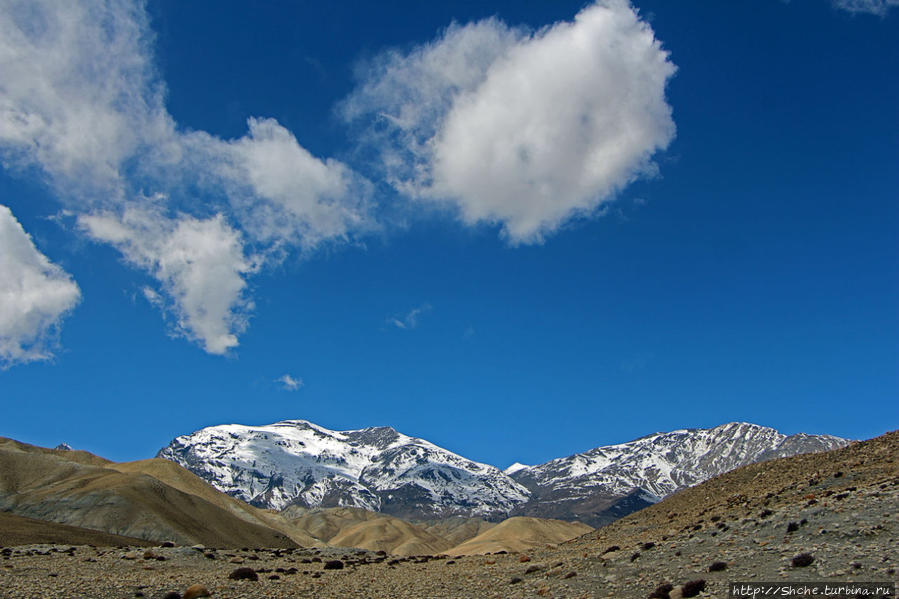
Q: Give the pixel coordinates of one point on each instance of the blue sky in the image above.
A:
(516, 229)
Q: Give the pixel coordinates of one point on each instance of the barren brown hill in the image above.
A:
(19, 530)
(519, 534)
(58, 486)
(392, 535)
(74, 455)
(325, 523)
(458, 529)
(183, 480)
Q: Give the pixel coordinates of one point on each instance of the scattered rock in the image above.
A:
(571, 574)
(718, 566)
(334, 564)
(514, 580)
(662, 591)
(244, 574)
(524, 558)
(196, 590)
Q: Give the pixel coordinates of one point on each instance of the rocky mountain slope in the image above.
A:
(603, 484)
(299, 463)
(295, 462)
(19, 530)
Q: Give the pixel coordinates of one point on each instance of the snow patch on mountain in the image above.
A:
(663, 463)
(380, 469)
(515, 468)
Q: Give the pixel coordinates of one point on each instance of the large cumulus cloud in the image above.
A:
(523, 129)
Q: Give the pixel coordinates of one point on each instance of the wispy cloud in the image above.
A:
(35, 295)
(523, 129)
(873, 7)
(199, 263)
(289, 383)
(82, 100)
(410, 319)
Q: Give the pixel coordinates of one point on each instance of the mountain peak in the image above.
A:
(515, 468)
(296, 462)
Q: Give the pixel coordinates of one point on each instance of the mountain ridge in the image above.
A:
(296, 462)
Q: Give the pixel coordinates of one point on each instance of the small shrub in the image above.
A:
(802, 560)
(334, 564)
(662, 592)
(244, 574)
(693, 588)
(718, 566)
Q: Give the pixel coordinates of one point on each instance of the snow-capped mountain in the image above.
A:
(585, 485)
(515, 468)
(297, 462)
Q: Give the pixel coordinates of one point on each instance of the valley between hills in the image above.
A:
(76, 525)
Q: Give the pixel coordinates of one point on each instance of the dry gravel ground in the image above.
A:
(843, 506)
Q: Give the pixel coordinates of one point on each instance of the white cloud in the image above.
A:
(524, 130)
(278, 190)
(81, 100)
(410, 319)
(874, 7)
(78, 95)
(35, 295)
(199, 264)
(289, 383)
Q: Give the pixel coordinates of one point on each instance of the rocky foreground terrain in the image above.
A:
(820, 517)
